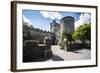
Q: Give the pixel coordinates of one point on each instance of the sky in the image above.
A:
(42, 19)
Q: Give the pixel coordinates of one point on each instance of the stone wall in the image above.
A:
(72, 46)
(33, 51)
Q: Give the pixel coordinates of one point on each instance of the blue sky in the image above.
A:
(42, 19)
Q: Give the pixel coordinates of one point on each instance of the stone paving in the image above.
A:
(61, 55)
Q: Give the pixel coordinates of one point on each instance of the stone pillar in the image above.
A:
(48, 51)
(65, 44)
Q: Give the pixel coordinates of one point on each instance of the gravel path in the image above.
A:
(60, 55)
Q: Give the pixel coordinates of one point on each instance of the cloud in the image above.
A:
(51, 15)
(85, 18)
(27, 21)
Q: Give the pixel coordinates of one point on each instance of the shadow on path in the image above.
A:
(57, 58)
(75, 51)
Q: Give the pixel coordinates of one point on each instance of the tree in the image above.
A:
(64, 35)
(83, 33)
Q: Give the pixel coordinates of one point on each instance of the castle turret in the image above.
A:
(54, 27)
(67, 24)
(66, 28)
(55, 30)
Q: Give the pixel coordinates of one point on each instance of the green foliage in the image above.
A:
(63, 36)
(83, 32)
(31, 33)
(61, 43)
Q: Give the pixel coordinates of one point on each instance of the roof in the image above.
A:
(67, 17)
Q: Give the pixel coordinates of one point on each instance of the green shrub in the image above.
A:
(61, 44)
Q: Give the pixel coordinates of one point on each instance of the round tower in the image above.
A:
(67, 24)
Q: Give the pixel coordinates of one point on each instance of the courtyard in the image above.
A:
(61, 55)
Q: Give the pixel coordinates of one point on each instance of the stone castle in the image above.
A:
(37, 43)
(66, 24)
